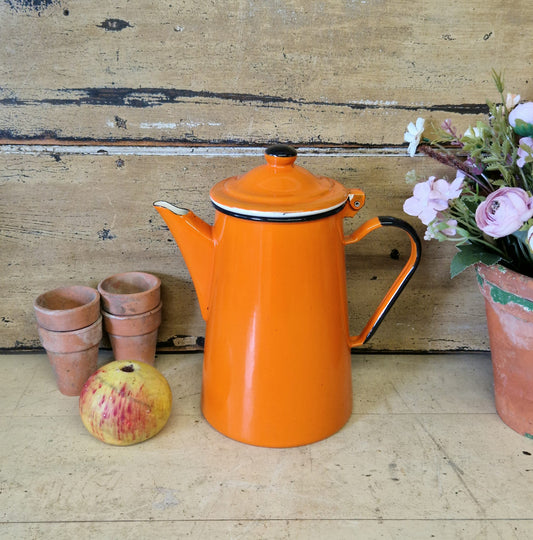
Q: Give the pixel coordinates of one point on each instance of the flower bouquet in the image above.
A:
(487, 209)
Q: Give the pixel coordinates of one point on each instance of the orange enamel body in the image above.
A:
(272, 289)
(277, 368)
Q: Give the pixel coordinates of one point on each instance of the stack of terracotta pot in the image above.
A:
(70, 325)
(131, 308)
(70, 328)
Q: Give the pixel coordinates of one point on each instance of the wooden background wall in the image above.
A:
(108, 106)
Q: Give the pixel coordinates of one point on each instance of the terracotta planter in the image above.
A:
(67, 308)
(130, 293)
(509, 306)
(134, 337)
(73, 355)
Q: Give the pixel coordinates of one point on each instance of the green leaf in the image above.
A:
(462, 232)
(498, 80)
(470, 254)
(523, 129)
(521, 234)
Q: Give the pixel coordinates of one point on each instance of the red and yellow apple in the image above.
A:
(125, 402)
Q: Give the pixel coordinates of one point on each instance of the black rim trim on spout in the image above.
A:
(284, 219)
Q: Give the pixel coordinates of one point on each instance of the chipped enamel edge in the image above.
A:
(502, 297)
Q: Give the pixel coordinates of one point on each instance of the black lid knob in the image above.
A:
(281, 150)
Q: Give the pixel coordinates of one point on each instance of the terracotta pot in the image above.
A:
(67, 308)
(509, 306)
(73, 355)
(130, 293)
(134, 337)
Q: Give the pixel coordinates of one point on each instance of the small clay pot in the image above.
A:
(73, 355)
(130, 293)
(138, 348)
(67, 308)
(134, 337)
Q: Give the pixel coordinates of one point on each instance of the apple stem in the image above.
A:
(128, 369)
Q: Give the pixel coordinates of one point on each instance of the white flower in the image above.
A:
(413, 135)
(472, 133)
(512, 101)
(530, 238)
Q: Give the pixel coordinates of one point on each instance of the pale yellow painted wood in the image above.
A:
(322, 74)
(337, 72)
(221, 121)
(75, 218)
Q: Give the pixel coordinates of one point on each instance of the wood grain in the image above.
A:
(308, 72)
(77, 218)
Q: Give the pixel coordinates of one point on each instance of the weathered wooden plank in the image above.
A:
(341, 72)
(77, 218)
(221, 120)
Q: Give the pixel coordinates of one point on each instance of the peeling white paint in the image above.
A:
(200, 151)
(158, 125)
(174, 125)
(378, 102)
(192, 124)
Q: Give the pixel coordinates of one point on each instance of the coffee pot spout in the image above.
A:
(195, 241)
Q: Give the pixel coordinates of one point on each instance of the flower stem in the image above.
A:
(452, 161)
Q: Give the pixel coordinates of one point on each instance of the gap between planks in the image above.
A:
(201, 151)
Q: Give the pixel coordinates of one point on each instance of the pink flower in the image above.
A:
(432, 196)
(437, 228)
(523, 113)
(421, 204)
(504, 211)
(451, 227)
(523, 154)
(448, 191)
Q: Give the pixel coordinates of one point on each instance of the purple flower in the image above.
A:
(524, 153)
(432, 196)
(504, 211)
(475, 168)
(447, 126)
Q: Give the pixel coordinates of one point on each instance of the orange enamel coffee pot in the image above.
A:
(271, 282)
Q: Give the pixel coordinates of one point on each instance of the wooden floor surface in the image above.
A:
(424, 455)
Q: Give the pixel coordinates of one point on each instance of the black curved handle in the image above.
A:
(399, 283)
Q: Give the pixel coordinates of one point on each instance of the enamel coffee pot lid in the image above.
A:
(279, 190)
